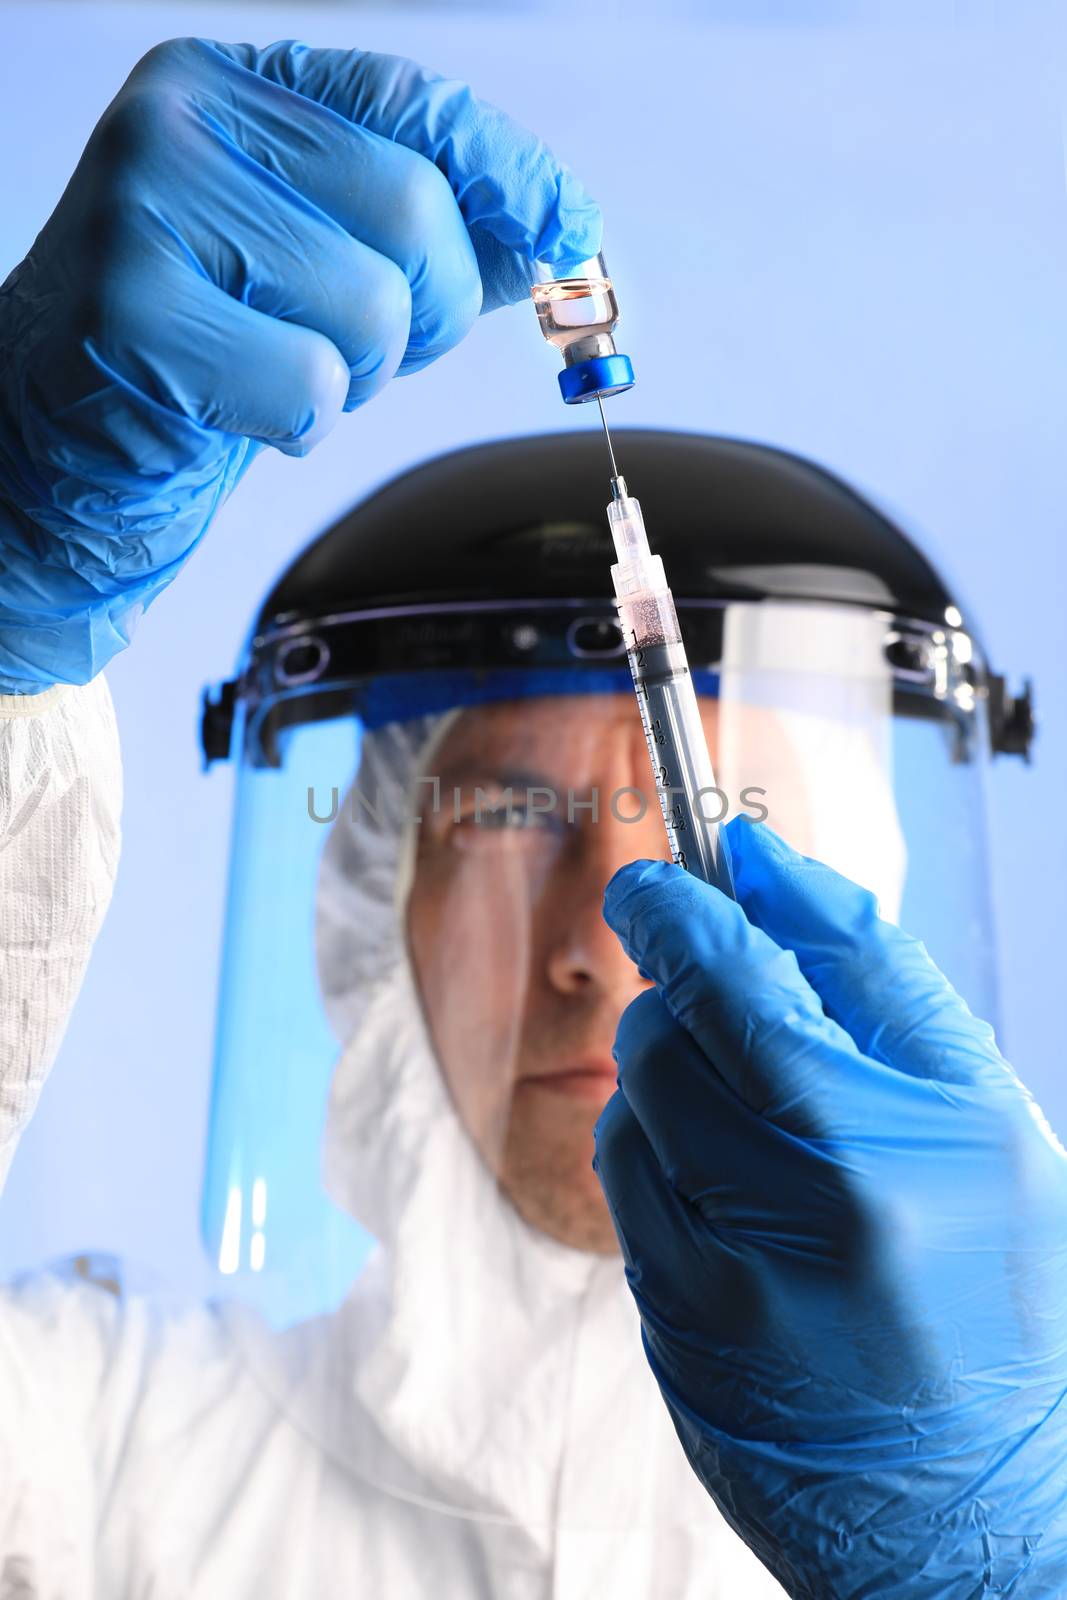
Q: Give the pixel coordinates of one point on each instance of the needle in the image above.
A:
(618, 485)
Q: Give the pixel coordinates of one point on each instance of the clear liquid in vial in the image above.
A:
(574, 308)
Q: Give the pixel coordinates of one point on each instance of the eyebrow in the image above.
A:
(507, 777)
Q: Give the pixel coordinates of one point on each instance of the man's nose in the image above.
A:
(584, 955)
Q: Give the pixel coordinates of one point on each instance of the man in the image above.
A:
(471, 1415)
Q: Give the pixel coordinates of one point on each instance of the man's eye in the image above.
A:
(496, 821)
(503, 819)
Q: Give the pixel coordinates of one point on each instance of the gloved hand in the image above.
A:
(844, 1222)
(252, 242)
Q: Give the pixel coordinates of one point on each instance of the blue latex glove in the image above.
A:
(844, 1222)
(253, 241)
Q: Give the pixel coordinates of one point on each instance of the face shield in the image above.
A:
(419, 1001)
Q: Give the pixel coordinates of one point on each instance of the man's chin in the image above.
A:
(587, 1230)
(562, 1199)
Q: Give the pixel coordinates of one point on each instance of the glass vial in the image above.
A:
(576, 306)
(577, 312)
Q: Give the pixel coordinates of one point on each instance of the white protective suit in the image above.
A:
(166, 1455)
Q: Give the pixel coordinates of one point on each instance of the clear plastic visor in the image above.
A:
(419, 1005)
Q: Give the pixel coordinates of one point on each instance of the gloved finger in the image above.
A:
(790, 1137)
(808, 1189)
(225, 365)
(508, 185)
(673, 1257)
(746, 1173)
(875, 980)
(306, 268)
(742, 998)
(284, 184)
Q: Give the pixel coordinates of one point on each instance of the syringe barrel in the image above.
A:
(691, 802)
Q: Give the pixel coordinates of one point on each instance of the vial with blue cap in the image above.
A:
(577, 310)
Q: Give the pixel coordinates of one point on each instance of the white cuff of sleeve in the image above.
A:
(33, 705)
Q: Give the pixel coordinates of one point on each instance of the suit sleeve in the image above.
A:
(60, 804)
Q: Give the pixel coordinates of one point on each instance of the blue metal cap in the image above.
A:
(600, 375)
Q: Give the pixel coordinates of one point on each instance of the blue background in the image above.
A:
(852, 216)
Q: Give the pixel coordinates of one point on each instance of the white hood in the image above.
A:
(504, 1368)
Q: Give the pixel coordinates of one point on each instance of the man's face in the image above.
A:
(521, 979)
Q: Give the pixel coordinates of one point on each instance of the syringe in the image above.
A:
(670, 716)
(578, 311)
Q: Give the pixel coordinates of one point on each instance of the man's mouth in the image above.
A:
(589, 1077)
